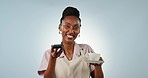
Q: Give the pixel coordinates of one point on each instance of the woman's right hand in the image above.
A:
(55, 52)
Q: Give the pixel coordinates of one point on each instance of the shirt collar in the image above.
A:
(76, 53)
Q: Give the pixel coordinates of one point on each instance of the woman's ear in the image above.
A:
(60, 27)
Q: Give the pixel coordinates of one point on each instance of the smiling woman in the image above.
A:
(69, 61)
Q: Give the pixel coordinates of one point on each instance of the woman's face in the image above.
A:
(70, 28)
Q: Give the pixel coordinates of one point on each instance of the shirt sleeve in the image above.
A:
(44, 62)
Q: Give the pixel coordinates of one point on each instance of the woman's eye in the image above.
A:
(67, 27)
(76, 28)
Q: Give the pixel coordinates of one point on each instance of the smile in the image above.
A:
(70, 36)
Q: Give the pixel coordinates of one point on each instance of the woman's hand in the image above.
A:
(55, 52)
(101, 60)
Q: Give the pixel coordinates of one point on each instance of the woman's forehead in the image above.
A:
(71, 20)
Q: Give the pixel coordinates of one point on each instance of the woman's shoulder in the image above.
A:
(86, 47)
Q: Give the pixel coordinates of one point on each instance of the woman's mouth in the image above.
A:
(70, 36)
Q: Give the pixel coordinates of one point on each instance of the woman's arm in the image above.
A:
(97, 73)
(50, 72)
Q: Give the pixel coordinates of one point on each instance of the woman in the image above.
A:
(68, 61)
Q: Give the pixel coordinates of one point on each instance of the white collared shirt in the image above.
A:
(77, 47)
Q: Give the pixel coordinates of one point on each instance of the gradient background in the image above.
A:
(116, 29)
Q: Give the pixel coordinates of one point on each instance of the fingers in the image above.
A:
(56, 52)
(52, 49)
(101, 59)
(59, 52)
(52, 53)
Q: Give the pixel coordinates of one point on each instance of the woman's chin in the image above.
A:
(69, 40)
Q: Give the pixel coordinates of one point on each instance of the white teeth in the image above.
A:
(69, 36)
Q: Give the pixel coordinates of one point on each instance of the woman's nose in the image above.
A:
(71, 30)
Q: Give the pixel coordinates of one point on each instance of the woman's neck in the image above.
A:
(68, 47)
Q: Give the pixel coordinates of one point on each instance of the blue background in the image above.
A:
(117, 29)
